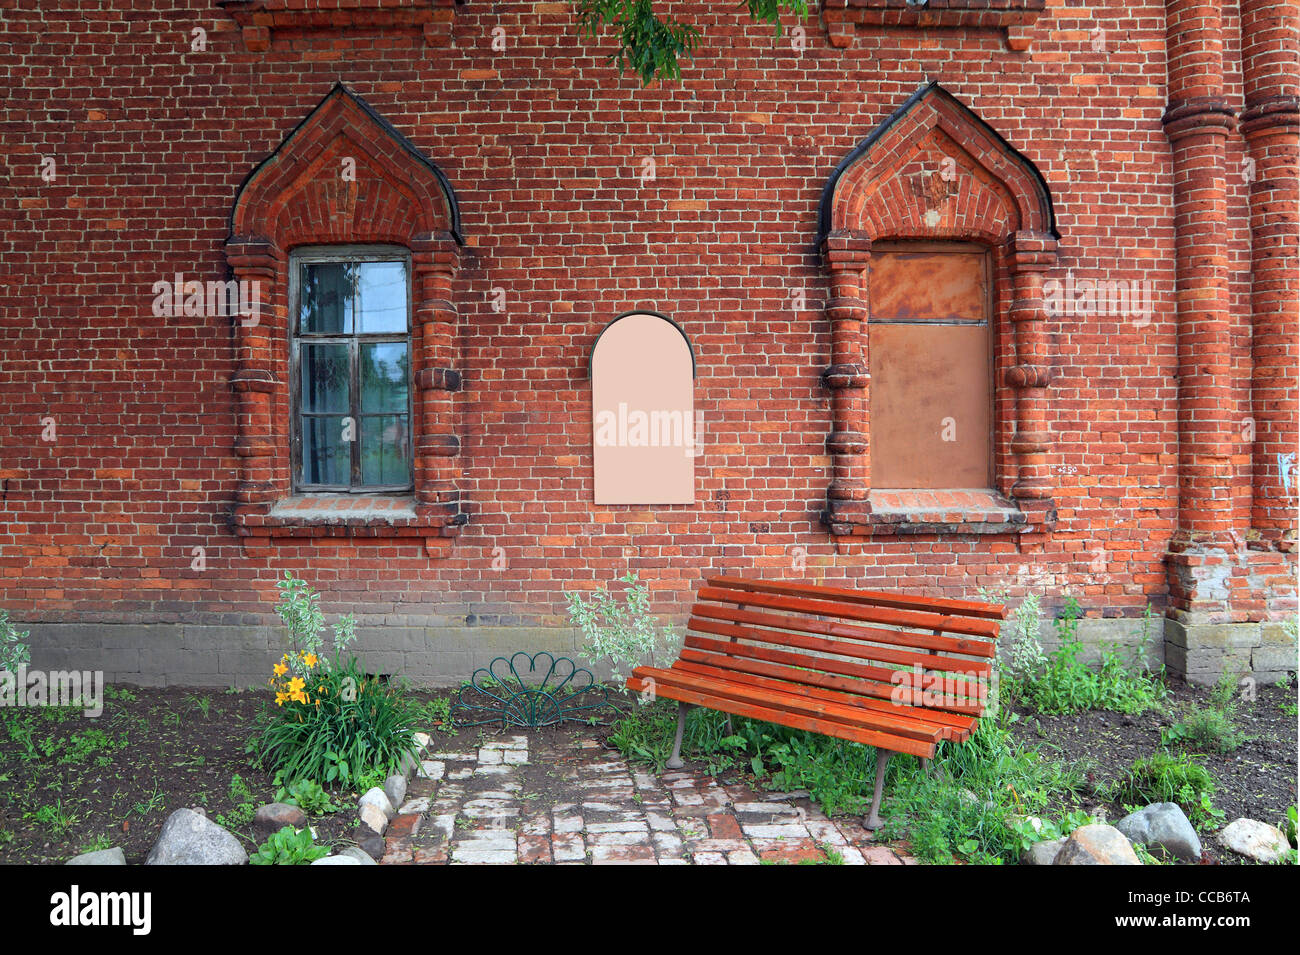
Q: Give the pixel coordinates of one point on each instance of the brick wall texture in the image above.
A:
(1166, 133)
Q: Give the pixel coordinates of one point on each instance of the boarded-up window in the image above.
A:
(929, 354)
(643, 412)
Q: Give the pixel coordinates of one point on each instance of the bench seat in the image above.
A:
(899, 673)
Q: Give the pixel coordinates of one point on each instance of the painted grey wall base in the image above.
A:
(200, 655)
(197, 655)
(1204, 653)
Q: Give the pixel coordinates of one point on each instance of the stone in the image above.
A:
(113, 856)
(1254, 840)
(1097, 844)
(1163, 824)
(336, 860)
(273, 817)
(379, 799)
(373, 818)
(371, 843)
(190, 838)
(356, 852)
(422, 741)
(1042, 853)
(395, 789)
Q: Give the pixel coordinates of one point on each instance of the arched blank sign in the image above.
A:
(643, 412)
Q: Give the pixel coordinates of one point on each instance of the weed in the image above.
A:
(1208, 729)
(1165, 777)
(289, 846)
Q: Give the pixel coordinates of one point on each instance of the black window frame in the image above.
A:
(346, 254)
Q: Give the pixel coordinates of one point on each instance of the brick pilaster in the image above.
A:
(1270, 124)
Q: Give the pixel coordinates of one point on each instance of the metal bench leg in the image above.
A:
(882, 764)
(675, 760)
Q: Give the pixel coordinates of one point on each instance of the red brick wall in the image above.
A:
(545, 146)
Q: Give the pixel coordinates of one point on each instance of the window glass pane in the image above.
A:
(326, 457)
(385, 370)
(325, 296)
(323, 369)
(385, 450)
(383, 297)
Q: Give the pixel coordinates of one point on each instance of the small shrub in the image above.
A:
(346, 726)
(14, 651)
(245, 805)
(289, 846)
(332, 723)
(1208, 729)
(1288, 824)
(1165, 777)
(1062, 684)
(308, 795)
(621, 632)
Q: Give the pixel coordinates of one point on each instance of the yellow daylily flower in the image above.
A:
(279, 669)
(310, 659)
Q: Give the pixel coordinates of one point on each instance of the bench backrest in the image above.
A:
(910, 651)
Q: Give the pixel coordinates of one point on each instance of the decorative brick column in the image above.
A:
(848, 258)
(1270, 124)
(256, 380)
(436, 379)
(1031, 254)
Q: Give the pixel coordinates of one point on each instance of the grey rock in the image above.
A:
(373, 819)
(379, 799)
(1165, 825)
(1097, 844)
(356, 852)
(336, 860)
(113, 856)
(1254, 840)
(190, 838)
(395, 789)
(273, 817)
(371, 843)
(1042, 853)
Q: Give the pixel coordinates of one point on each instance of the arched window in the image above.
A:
(939, 353)
(346, 376)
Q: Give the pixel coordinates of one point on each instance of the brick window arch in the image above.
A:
(345, 178)
(933, 172)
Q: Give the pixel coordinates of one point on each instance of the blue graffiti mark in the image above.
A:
(1286, 463)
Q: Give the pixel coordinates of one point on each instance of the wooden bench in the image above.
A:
(895, 672)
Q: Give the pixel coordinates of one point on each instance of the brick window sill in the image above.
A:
(260, 19)
(1014, 18)
(373, 516)
(938, 511)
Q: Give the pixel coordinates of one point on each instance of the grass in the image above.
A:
(1209, 728)
(966, 809)
(1060, 683)
(1169, 777)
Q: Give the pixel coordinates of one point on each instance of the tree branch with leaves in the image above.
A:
(652, 46)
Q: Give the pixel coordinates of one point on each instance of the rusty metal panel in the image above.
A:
(929, 286)
(930, 406)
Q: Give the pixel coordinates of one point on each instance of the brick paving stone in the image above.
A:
(477, 808)
(534, 849)
(880, 855)
(638, 854)
(789, 850)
